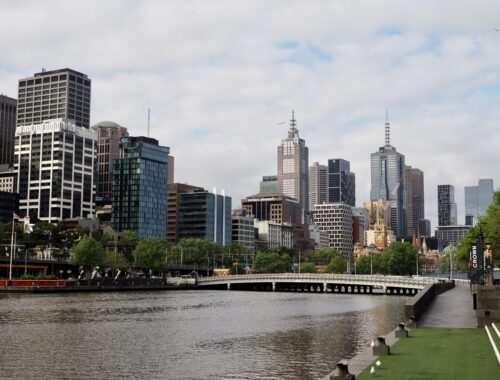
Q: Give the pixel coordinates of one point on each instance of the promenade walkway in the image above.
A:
(453, 308)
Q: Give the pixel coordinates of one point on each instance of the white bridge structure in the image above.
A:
(320, 282)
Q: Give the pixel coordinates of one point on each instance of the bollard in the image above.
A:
(380, 348)
(412, 323)
(401, 331)
(341, 372)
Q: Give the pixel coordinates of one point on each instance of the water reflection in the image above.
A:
(187, 335)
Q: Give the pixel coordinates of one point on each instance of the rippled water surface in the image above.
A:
(187, 334)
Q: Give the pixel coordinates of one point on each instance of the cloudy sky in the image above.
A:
(219, 77)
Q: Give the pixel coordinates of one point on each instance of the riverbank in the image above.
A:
(438, 353)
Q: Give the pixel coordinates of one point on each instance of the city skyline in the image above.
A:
(227, 94)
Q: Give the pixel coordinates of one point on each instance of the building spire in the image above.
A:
(293, 126)
(387, 129)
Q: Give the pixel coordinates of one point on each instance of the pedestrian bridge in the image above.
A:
(319, 282)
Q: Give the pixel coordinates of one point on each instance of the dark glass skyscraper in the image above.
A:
(139, 193)
(7, 129)
(387, 180)
(447, 208)
(341, 182)
(206, 216)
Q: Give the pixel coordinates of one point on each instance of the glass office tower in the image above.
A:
(140, 187)
(387, 182)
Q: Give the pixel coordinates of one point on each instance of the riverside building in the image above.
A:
(63, 93)
(55, 162)
(139, 191)
(7, 129)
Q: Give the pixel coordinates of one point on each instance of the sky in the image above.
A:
(220, 77)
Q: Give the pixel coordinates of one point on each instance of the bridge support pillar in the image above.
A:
(325, 287)
(274, 286)
(228, 286)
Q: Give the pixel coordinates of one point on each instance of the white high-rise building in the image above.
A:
(336, 220)
(293, 165)
(55, 162)
(318, 178)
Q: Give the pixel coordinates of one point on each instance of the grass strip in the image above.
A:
(438, 353)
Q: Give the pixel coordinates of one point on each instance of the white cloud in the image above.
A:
(218, 75)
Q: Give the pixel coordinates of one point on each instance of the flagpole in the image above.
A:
(12, 246)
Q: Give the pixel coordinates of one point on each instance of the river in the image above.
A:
(196, 334)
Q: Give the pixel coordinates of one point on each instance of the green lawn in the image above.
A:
(439, 353)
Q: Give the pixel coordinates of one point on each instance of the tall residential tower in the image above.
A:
(447, 208)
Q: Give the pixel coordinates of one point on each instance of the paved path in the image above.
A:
(451, 309)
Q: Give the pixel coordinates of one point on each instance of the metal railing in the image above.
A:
(322, 278)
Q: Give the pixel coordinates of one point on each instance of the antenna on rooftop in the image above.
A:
(149, 118)
(387, 129)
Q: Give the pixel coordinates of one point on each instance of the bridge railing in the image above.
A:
(322, 277)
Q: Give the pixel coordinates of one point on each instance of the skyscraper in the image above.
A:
(54, 94)
(387, 182)
(318, 179)
(293, 165)
(109, 135)
(7, 129)
(414, 186)
(477, 200)
(55, 164)
(341, 182)
(447, 208)
(269, 184)
(139, 192)
(206, 216)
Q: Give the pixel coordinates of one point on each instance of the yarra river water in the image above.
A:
(187, 334)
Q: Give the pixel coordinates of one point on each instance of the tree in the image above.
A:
(489, 225)
(150, 253)
(321, 256)
(127, 244)
(272, 262)
(116, 260)
(337, 265)
(307, 267)
(399, 258)
(88, 253)
(364, 265)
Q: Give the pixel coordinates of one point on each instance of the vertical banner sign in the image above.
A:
(475, 263)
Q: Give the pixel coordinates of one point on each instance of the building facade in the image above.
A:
(109, 135)
(272, 235)
(477, 200)
(318, 184)
(379, 232)
(274, 207)
(360, 218)
(414, 180)
(387, 182)
(54, 94)
(206, 216)
(447, 208)
(336, 220)
(243, 230)
(293, 167)
(7, 129)
(447, 235)
(140, 186)
(269, 184)
(424, 227)
(341, 182)
(9, 204)
(55, 163)
(174, 191)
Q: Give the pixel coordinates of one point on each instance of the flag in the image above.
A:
(16, 217)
